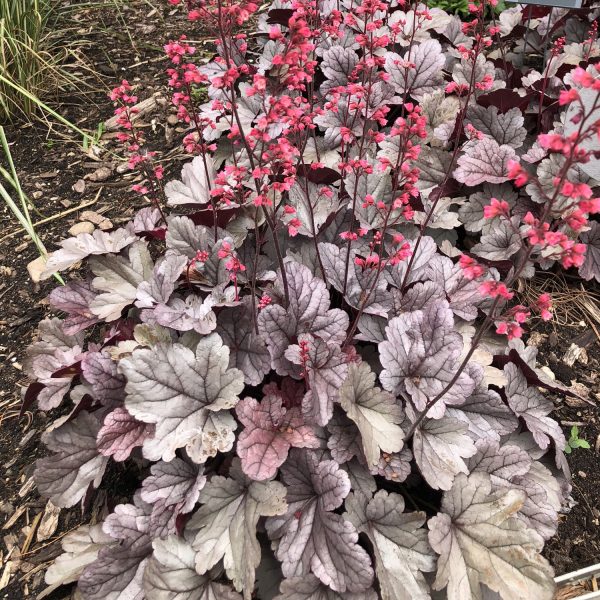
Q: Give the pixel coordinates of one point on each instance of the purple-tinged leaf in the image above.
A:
(422, 78)
(172, 489)
(420, 357)
(270, 430)
(433, 164)
(75, 299)
(529, 404)
(590, 269)
(505, 100)
(308, 587)
(312, 538)
(344, 441)
(170, 574)
(440, 447)
(185, 395)
(308, 312)
(375, 413)
(193, 313)
(480, 542)
(225, 526)
(64, 477)
(399, 540)
(85, 244)
(101, 372)
(248, 351)
(121, 433)
(118, 571)
(118, 278)
(186, 238)
(197, 178)
(484, 162)
(325, 367)
(395, 274)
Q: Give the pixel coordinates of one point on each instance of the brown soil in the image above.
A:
(50, 163)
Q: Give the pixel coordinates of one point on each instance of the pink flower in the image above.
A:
(470, 268)
(544, 305)
(517, 173)
(511, 330)
(568, 96)
(494, 289)
(496, 208)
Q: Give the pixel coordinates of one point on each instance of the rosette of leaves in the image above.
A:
(302, 429)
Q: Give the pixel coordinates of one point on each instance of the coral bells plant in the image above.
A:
(308, 349)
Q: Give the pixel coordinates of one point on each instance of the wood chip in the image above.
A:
(26, 487)
(79, 186)
(49, 522)
(572, 354)
(5, 577)
(15, 517)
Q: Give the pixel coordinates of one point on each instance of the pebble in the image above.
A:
(83, 227)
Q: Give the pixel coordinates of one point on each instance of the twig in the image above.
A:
(54, 217)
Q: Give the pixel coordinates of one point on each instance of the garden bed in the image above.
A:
(52, 171)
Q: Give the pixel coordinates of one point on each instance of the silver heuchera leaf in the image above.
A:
(225, 526)
(80, 548)
(399, 540)
(308, 587)
(312, 207)
(426, 74)
(118, 278)
(186, 238)
(172, 489)
(270, 430)
(440, 447)
(333, 121)
(394, 467)
(529, 404)
(338, 64)
(484, 162)
(311, 537)
(117, 572)
(185, 395)
(360, 291)
(471, 213)
(121, 433)
(325, 367)
(590, 269)
(374, 411)
(511, 467)
(480, 542)
(501, 242)
(75, 299)
(170, 574)
(85, 244)
(248, 351)
(504, 128)
(161, 285)
(64, 477)
(433, 164)
(197, 177)
(484, 411)
(463, 295)
(308, 312)
(420, 357)
(421, 257)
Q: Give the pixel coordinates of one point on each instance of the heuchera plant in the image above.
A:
(310, 346)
